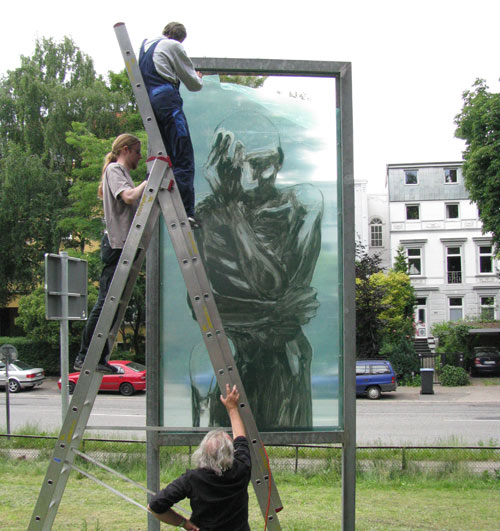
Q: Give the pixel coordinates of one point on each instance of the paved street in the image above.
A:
(468, 415)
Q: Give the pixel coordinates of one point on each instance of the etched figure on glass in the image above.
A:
(260, 243)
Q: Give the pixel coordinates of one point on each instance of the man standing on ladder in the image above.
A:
(164, 64)
(218, 488)
(121, 198)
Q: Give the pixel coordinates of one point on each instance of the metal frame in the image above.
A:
(341, 72)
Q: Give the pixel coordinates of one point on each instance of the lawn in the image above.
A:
(311, 501)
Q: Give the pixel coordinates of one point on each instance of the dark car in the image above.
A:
(374, 377)
(131, 377)
(486, 360)
(21, 376)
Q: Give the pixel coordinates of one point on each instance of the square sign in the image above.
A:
(76, 288)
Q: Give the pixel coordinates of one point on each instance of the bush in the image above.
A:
(401, 353)
(453, 376)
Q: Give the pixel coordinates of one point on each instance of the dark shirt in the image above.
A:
(218, 502)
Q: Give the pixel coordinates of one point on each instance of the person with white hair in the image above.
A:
(218, 487)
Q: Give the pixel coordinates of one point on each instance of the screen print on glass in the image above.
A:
(266, 196)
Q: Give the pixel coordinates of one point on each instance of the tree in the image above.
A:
(479, 125)
(400, 261)
(368, 304)
(30, 198)
(247, 81)
(39, 101)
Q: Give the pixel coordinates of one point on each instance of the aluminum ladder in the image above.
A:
(160, 196)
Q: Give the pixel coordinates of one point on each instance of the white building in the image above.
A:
(451, 263)
(372, 222)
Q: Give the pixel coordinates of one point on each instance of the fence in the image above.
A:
(284, 458)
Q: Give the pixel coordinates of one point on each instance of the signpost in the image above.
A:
(65, 299)
(8, 354)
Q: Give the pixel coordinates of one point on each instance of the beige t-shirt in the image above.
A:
(118, 215)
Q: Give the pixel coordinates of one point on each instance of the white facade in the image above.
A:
(372, 222)
(451, 262)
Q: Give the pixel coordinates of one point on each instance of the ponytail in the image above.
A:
(120, 142)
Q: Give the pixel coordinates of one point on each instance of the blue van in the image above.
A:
(374, 377)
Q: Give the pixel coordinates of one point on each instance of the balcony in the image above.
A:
(454, 277)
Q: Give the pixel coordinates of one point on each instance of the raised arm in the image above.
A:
(231, 404)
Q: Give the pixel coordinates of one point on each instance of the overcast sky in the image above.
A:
(411, 61)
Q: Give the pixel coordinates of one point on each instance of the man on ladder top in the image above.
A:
(120, 200)
(164, 64)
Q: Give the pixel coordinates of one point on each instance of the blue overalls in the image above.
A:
(167, 106)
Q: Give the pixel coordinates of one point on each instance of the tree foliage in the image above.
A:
(39, 101)
(479, 125)
(400, 261)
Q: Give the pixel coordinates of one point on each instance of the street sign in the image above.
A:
(8, 353)
(55, 291)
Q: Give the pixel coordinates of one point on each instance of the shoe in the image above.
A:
(106, 367)
(195, 224)
(78, 363)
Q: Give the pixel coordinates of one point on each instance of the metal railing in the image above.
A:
(294, 458)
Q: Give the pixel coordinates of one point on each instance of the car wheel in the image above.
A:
(127, 389)
(373, 392)
(14, 386)
(71, 387)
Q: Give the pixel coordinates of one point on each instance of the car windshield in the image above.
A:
(138, 367)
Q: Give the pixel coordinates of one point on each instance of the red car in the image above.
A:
(131, 377)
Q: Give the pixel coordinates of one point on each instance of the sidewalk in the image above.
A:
(478, 391)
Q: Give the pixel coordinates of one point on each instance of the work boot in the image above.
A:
(195, 224)
(79, 362)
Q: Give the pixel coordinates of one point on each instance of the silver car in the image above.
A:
(21, 376)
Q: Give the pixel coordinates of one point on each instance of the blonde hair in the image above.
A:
(121, 141)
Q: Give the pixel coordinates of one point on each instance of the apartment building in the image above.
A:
(451, 262)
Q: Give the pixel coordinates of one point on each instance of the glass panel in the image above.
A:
(452, 211)
(455, 314)
(421, 301)
(453, 250)
(411, 177)
(266, 190)
(380, 369)
(413, 252)
(455, 301)
(376, 236)
(362, 369)
(486, 264)
(450, 176)
(412, 212)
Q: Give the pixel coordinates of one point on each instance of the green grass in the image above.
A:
(386, 499)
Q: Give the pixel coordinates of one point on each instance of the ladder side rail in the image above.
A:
(88, 384)
(62, 458)
(142, 97)
(157, 147)
(211, 326)
(135, 271)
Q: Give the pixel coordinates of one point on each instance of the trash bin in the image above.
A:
(427, 378)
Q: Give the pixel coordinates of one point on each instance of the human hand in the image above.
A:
(189, 525)
(199, 74)
(232, 397)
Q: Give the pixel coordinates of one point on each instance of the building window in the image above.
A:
(456, 308)
(376, 232)
(412, 212)
(452, 211)
(450, 176)
(485, 259)
(487, 308)
(411, 176)
(414, 261)
(454, 265)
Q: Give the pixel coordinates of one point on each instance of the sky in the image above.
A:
(411, 61)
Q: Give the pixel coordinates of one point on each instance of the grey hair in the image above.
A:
(216, 452)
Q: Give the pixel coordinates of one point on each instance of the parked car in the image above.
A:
(21, 376)
(130, 378)
(486, 360)
(374, 377)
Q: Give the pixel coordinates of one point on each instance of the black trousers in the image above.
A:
(109, 258)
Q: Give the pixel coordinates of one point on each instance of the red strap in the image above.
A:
(170, 185)
(164, 159)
